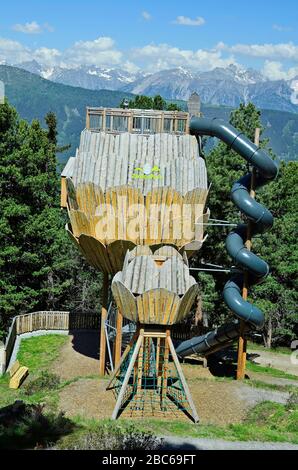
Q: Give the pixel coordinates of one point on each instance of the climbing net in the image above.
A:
(155, 386)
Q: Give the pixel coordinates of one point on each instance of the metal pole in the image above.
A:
(242, 342)
(104, 313)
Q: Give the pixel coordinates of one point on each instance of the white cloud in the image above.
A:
(101, 51)
(32, 28)
(274, 71)
(267, 51)
(163, 56)
(13, 51)
(186, 21)
(281, 28)
(146, 16)
(47, 56)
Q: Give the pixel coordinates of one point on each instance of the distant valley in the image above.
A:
(228, 86)
(33, 96)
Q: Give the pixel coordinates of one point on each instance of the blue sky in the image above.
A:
(153, 35)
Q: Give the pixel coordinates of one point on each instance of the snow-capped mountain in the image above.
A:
(90, 77)
(221, 86)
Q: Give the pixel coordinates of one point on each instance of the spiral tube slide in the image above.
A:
(261, 220)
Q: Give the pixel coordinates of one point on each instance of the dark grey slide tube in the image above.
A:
(261, 220)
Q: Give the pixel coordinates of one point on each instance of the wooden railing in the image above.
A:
(137, 121)
(41, 321)
(56, 320)
(45, 320)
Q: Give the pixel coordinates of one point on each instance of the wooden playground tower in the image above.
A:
(148, 270)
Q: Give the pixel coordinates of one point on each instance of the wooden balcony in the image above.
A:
(137, 121)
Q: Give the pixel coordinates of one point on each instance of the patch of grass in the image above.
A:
(46, 381)
(268, 386)
(270, 371)
(259, 347)
(39, 352)
(292, 402)
(266, 422)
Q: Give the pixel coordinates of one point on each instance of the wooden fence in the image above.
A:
(45, 320)
(54, 320)
(57, 321)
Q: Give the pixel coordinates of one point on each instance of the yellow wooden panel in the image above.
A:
(125, 301)
(71, 195)
(116, 253)
(156, 306)
(95, 253)
(186, 302)
(63, 195)
(79, 223)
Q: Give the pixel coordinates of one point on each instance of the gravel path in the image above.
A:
(268, 379)
(277, 361)
(181, 443)
(253, 396)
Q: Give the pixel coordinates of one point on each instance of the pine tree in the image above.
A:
(40, 269)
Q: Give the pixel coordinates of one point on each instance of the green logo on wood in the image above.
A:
(147, 172)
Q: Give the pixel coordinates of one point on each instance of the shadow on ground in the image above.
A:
(24, 425)
(86, 342)
(224, 363)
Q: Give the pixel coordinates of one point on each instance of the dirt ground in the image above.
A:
(79, 356)
(217, 402)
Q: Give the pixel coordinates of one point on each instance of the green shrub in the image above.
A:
(292, 402)
(111, 437)
(46, 381)
(27, 426)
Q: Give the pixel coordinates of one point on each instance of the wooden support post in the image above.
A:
(182, 378)
(164, 381)
(87, 119)
(127, 375)
(63, 195)
(140, 367)
(104, 313)
(118, 339)
(242, 343)
(124, 356)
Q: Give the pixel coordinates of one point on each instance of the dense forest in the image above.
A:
(41, 269)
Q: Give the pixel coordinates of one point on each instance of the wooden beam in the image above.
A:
(125, 354)
(164, 380)
(63, 195)
(118, 339)
(242, 343)
(104, 313)
(127, 375)
(183, 381)
(87, 119)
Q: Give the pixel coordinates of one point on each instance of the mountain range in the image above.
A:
(221, 86)
(34, 96)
